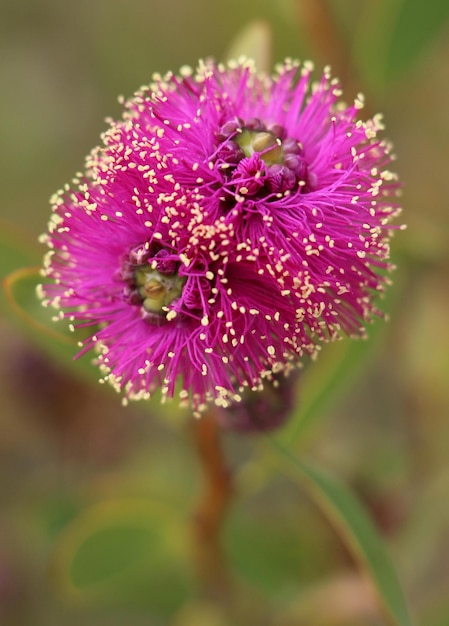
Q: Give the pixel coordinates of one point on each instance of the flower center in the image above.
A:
(261, 159)
(157, 290)
(263, 143)
(151, 282)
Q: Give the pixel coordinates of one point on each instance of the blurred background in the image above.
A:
(96, 499)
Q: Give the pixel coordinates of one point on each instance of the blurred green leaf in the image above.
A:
(107, 553)
(357, 531)
(17, 249)
(416, 26)
(26, 310)
(272, 555)
(124, 551)
(394, 34)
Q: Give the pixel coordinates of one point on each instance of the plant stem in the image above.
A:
(211, 510)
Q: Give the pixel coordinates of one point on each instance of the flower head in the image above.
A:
(230, 223)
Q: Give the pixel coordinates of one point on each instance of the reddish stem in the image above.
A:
(212, 509)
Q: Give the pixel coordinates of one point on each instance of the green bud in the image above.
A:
(157, 290)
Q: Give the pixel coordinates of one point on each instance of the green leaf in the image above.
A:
(272, 555)
(108, 553)
(357, 531)
(25, 309)
(393, 35)
(124, 552)
(17, 249)
(417, 25)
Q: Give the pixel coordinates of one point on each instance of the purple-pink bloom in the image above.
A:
(230, 224)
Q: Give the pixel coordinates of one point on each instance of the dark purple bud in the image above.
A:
(254, 123)
(231, 152)
(261, 411)
(297, 165)
(291, 146)
(229, 128)
(278, 131)
(312, 181)
(131, 295)
(280, 178)
(165, 264)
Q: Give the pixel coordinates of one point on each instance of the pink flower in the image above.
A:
(230, 223)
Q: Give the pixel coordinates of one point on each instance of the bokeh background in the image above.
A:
(96, 499)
